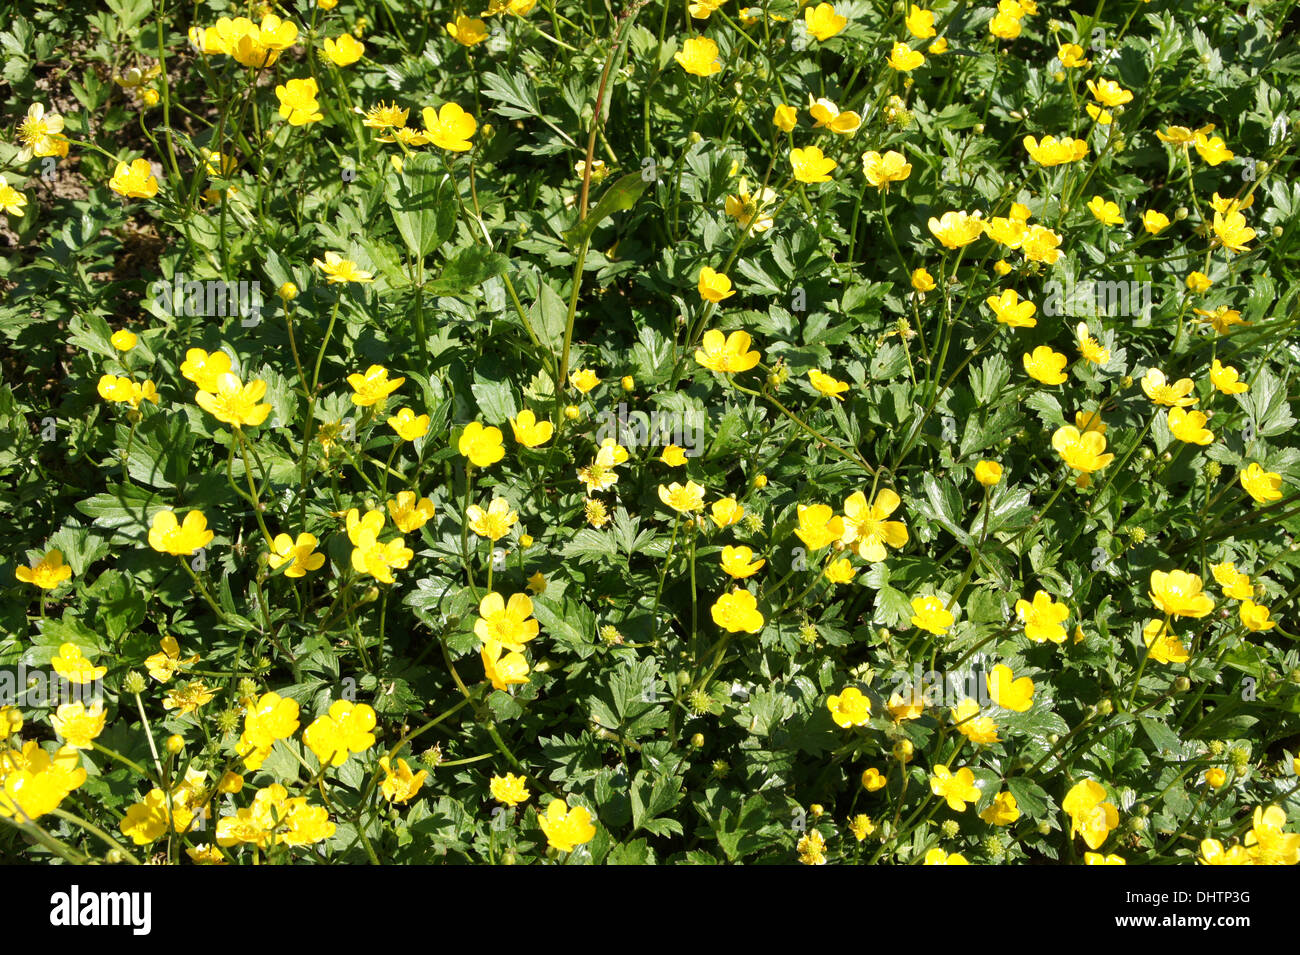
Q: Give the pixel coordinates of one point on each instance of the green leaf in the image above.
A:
(619, 197)
(422, 200)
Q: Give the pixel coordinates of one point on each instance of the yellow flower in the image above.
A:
(482, 445)
(840, 571)
(1178, 593)
(344, 51)
(503, 671)
(449, 127)
(861, 826)
(566, 828)
(980, 730)
(746, 208)
(1091, 349)
(530, 432)
(714, 286)
(537, 583)
(822, 21)
(818, 525)
(1189, 426)
(1007, 691)
(726, 354)
(345, 729)
(956, 229)
(47, 573)
(919, 23)
(70, 664)
(828, 386)
(123, 340)
(1181, 135)
(827, 115)
(584, 380)
(300, 555)
(1162, 392)
(922, 281)
(866, 529)
(40, 134)
(135, 181)
(1267, 843)
(495, 522)
(1090, 815)
(77, 725)
(737, 612)
(1041, 244)
(373, 558)
(1263, 486)
(699, 57)
(1103, 117)
(373, 388)
(1050, 151)
(811, 848)
(1211, 148)
(929, 613)
(167, 536)
(683, 499)
(784, 117)
(1003, 811)
(338, 269)
(234, 402)
(1010, 310)
(1222, 318)
(1105, 211)
(881, 170)
(510, 790)
(1155, 222)
(1043, 618)
(163, 665)
(938, 856)
(1162, 643)
(1234, 583)
(1081, 451)
(467, 31)
(904, 59)
(509, 625)
(188, 698)
(850, 708)
(673, 456)
(810, 165)
(1005, 26)
(1255, 617)
(408, 425)
(1046, 365)
(1096, 858)
(910, 707)
(203, 369)
(1108, 92)
(939, 46)
(726, 511)
(1232, 231)
(956, 788)
(11, 200)
(872, 780)
(1009, 232)
(409, 512)
(1071, 56)
(391, 116)
(400, 785)
(113, 388)
(298, 102)
(738, 562)
(988, 473)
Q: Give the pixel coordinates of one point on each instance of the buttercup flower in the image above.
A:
(449, 127)
(738, 562)
(1043, 619)
(409, 511)
(726, 354)
(135, 181)
(1090, 815)
(344, 51)
(929, 613)
(956, 788)
(374, 387)
(1010, 310)
(493, 523)
(168, 536)
(345, 729)
(509, 625)
(47, 573)
(1050, 151)
(822, 21)
(881, 170)
(699, 57)
(530, 432)
(683, 499)
(299, 554)
(1007, 691)
(810, 165)
(904, 59)
(866, 528)
(566, 828)
(467, 31)
(482, 445)
(1178, 593)
(1189, 426)
(850, 707)
(714, 286)
(737, 612)
(1045, 365)
(509, 790)
(828, 386)
(988, 473)
(339, 270)
(298, 103)
(1263, 486)
(956, 229)
(408, 425)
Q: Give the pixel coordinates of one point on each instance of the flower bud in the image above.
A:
(628, 383)
(149, 97)
(1182, 685)
(134, 683)
(288, 291)
(175, 744)
(571, 412)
